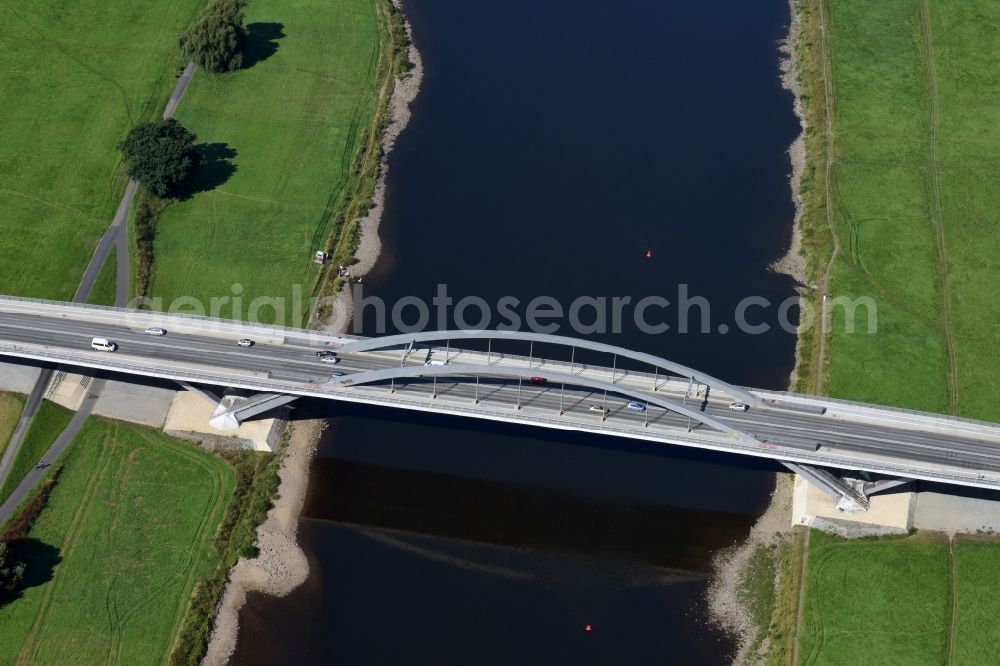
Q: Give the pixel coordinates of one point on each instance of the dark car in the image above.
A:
(537, 380)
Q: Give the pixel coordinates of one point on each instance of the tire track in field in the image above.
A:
(32, 643)
(118, 631)
(953, 583)
(936, 209)
(799, 611)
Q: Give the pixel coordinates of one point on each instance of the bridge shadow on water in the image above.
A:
(482, 486)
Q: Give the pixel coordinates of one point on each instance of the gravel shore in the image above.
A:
(281, 565)
(794, 263)
(723, 595)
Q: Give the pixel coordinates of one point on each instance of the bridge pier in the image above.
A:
(234, 408)
(843, 494)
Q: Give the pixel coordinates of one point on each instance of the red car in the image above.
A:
(536, 380)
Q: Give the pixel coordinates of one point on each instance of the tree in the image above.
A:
(11, 572)
(159, 155)
(218, 38)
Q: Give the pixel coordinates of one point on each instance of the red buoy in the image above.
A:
(588, 628)
(649, 254)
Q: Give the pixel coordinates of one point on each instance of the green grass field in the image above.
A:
(103, 292)
(290, 124)
(73, 77)
(127, 532)
(878, 601)
(890, 601)
(916, 122)
(48, 422)
(11, 406)
(977, 578)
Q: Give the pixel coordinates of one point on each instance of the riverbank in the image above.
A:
(730, 596)
(357, 246)
(894, 165)
(281, 566)
(802, 74)
(741, 605)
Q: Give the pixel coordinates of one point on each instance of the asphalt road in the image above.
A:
(298, 364)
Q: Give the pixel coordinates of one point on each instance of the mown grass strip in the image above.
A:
(103, 292)
(50, 420)
(11, 406)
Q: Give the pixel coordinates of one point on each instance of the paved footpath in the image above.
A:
(117, 237)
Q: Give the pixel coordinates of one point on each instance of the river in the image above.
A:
(556, 149)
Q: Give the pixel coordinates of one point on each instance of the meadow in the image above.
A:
(103, 291)
(912, 600)
(916, 121)
(11, 405)
(914, 97)
(73, 79)
(127, 533)
(877, 600)
(50, 420)
(281, 138)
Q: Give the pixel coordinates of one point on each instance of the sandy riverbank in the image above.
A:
(281, 565)
(724, 603)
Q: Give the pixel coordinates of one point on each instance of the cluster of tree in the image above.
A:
(159, 155)
(11, 572)
(216, 41)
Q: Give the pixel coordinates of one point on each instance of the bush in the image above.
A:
(217, 40)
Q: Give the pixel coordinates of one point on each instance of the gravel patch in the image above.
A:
(793, 263)
(724, 604)
(281, 566)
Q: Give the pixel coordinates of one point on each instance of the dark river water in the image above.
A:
(553, 145)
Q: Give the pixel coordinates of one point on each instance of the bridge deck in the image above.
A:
(848, 436)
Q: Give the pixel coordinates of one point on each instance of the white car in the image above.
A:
(155, 330)
(597, 409)
(103, 344)
(245, 342)
(636, 406)
(739, 407)
(329, 360)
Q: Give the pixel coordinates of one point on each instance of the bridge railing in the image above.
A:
(278, 331)
(288, 332)
(379, 395)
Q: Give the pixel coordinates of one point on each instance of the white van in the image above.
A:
(103, 344)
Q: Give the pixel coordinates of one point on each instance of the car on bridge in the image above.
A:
(103, 344)
(636, 406)
(324, 353)
(245, 342)
(597, 409)
(155, 330)
(329, 360)
(537, 380)
(739, 407)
